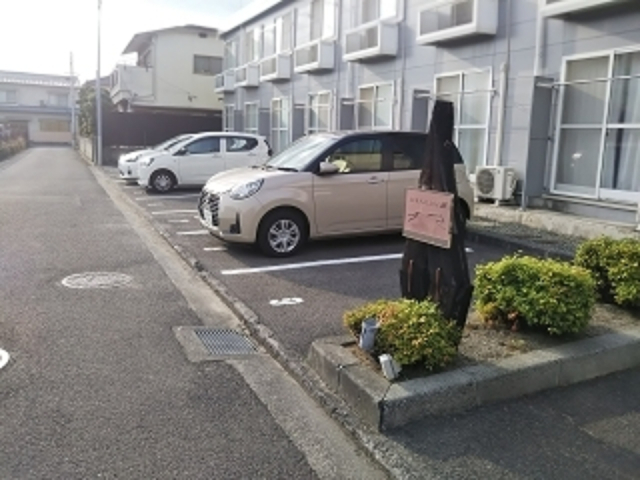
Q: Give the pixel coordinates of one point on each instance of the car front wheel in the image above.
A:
(162, 181)
(282, 233)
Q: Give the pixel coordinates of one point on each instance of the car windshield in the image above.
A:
(300, 153)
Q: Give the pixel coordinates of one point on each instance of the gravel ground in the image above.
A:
(527, 236)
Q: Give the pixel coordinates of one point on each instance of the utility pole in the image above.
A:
(99, 97)
(72, 88)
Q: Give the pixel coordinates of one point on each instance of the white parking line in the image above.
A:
(194, 232)
(214, 249)
(168, 197)
(178, 220)
(159, 204)
(319, 263)
(4, 358)
(170, 212)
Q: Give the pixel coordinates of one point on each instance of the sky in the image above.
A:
(39, 35)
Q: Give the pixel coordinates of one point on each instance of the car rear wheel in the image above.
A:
(162, 181)
(282, 233)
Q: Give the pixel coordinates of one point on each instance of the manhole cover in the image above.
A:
(98, 280)
(224, 341)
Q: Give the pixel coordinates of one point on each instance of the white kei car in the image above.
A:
(193, 162)
(128, 163)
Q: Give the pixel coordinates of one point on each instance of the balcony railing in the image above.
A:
(131, 82)
(247, 76)
(371, 41)
(276, 68)
(316, 56)
(224, 82)
(558, 8)
(456, 19)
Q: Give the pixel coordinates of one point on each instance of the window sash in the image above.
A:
(229, 117)
(375, 106)
(603, 110)
(319, 119)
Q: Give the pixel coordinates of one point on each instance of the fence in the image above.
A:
(141, 129)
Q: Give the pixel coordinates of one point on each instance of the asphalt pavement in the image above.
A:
(300, 298)
(97, 386)
(588, 431)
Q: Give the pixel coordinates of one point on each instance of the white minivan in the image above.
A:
(193, 162)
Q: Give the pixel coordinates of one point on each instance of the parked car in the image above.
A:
(328, 184)
(128, 163)
(202, 156)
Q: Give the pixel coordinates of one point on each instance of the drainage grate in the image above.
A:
(222, 341)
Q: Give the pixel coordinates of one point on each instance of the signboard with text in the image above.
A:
(428, 217)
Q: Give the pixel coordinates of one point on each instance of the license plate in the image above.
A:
(207, 217)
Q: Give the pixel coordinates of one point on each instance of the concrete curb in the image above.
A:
(384, 405)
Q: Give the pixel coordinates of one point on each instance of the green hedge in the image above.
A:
(615, 266)
(555, 296)
(9, 148)
(412, 332)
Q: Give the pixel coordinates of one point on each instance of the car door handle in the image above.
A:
(251, 154)
(375, 180)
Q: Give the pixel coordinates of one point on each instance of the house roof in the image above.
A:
(37, 79)
(251, 12)
(139, 40)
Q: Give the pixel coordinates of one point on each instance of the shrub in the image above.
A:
(615, 267)
(412, 332)
(11, 147)
(541, 293)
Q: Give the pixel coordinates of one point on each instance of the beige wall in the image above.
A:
(174, 77)
(32, 95)
(36, 134)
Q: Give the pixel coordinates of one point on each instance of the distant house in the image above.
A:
(37, 106)
(174, 70)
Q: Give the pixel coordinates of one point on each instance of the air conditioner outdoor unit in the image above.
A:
(496, 183)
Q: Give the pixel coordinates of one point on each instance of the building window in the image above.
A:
(54, 125)
(251, 118)
(206, 65)
(277, 36)
(280, 123)
(252, 45)
(443, 16)
(58, 100)
(375, 107)
(229, 117)
(366, 11)
(470, 93)
(230, 54)
(8, 96)
(598, 148)
(319, 119)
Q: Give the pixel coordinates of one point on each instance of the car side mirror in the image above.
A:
(182, 151)
(327, 168)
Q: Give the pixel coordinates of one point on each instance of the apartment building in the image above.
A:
(172, 69)
(37, 106)
(550, 88)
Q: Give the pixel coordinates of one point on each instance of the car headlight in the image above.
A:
(245, 190)
(133, 159)
(147, 162)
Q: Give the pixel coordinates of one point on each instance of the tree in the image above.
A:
(87, 108)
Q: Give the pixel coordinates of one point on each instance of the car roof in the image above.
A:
(225, 134)
(353, 133)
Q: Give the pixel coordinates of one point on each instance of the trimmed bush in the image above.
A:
(615, 267)
(11, 147)
(412, 332)
(541, 293)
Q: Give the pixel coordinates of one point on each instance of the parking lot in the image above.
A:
(300, 298)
